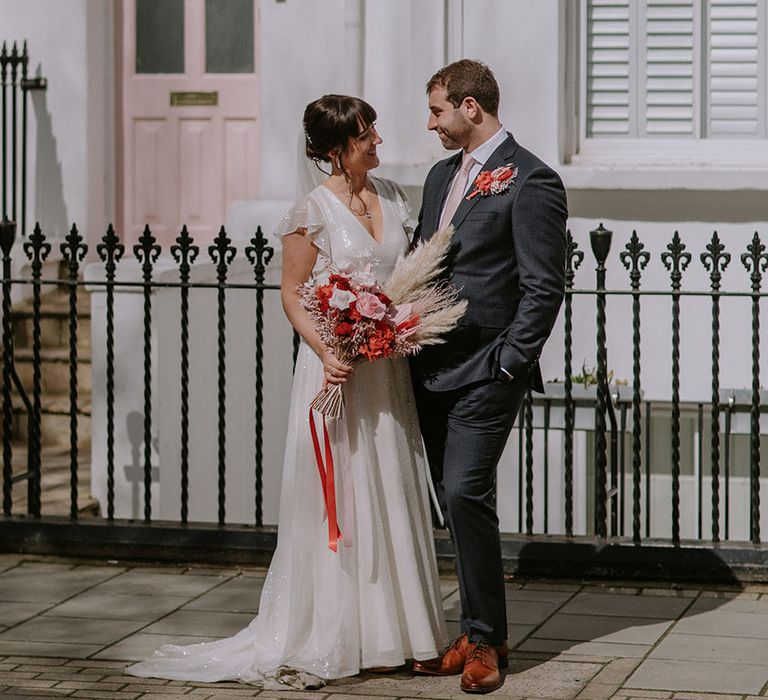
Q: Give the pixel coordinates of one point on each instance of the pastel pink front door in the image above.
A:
(187, 113)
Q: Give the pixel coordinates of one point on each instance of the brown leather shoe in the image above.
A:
(451, 663)
(481, 670)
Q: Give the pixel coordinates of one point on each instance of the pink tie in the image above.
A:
(457, 190)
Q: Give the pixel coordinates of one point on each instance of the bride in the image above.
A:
(374, 602)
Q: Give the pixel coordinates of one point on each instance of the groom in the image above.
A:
(508, 260)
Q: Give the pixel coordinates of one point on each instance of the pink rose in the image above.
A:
(370, 306)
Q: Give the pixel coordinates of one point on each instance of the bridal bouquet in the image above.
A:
(360, 319)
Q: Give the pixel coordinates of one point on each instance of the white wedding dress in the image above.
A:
(377, 601)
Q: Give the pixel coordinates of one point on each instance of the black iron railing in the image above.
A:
(15, 85)
(621, 464)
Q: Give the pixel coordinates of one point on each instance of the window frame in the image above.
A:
(652, 152)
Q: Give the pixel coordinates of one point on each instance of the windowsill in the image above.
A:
(662, 165)
(710, 167)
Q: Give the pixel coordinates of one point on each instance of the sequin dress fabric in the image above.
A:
(376, 602)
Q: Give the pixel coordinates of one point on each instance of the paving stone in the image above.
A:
(213, 571)
(86, 685)
(708, 696)
(40, 668)
(36, 567)
(93, 663)
(293, 694)
(62, 629)
(687, 647)
(151, 583)
(141, 646)
(110, 695)
(730, 595)
(160, 569)
(29, 682)
(671, 592)
(123, 678)
(623, 630)
(723, 623)
(553, 586)
(551, 679)
(597, 691)
(158, 696)
(62, 674)
(530, 612)
(157, 690)
(221, 624)
(197, 693)
(590, 603)
(339, 696)
(517, 633)
(37, 693)
(239, 595)
(20, 585)
(8, 561)
(35, 660)
(16, 675)
(702, 676)
(16, 612)
(736, 605)
(533, 595)
(604, 649)
(640, 693)
(66, 651)
(100, 604)
(612, 589)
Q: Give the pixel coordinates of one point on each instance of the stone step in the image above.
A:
(54, 366)
(54, 370)
(54, 421)
(54, 329)
(55, 490)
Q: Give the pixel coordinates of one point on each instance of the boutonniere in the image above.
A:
(494, 181)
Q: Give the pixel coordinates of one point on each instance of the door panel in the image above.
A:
(200, 187)
(186, 163)
(240, 138)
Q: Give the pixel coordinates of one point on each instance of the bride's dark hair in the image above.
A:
(331, 120)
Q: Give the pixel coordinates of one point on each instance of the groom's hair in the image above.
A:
(468, 78)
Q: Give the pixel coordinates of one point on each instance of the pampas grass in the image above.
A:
(415, 281)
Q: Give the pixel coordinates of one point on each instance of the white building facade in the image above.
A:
(655, 113)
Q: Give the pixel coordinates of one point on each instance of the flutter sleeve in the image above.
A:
(306, 217)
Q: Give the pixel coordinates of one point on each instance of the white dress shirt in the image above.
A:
(482, 153)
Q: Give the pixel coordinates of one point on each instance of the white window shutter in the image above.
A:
(670, 68)
(608, 91)
(736, 68)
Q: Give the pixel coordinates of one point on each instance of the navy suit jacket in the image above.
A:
(507, 260)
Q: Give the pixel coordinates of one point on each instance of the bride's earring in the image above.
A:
(337, 162)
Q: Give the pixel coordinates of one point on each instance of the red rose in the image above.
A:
(340, 281)
(344, 329)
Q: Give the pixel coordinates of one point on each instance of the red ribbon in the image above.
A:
(325, 468)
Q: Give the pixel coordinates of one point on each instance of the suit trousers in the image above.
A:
(465, 431)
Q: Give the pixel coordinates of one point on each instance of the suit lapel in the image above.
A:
(501, 156)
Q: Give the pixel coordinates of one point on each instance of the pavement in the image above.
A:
(68, 627)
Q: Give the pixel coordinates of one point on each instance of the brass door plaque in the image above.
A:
(194, 99)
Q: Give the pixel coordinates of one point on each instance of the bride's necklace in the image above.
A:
(363, 212)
